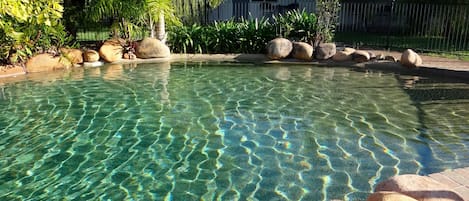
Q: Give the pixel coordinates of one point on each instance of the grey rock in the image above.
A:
(279, 48)
(325, 51)
(410, 59)
(302, 51)
(152, 48)
(361, 56)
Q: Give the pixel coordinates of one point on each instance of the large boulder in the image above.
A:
(302, 51)
(91, 56)
(112, 50)
(344, 55)
(361, 56)
(279, 48)
(389, 196)
(151, 48)
(325, 51)
(75, 56)
(46, 62)
(421, 188)
(410, 59)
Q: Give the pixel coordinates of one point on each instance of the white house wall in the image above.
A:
(255, 9)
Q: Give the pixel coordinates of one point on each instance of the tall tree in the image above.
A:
(129, 14)
(157, 12)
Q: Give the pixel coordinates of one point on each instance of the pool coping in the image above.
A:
(433, 66)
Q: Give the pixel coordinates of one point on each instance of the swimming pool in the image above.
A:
(221, 131)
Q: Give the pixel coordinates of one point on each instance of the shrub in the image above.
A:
(251, 36)
(328, 17)
(26, 28)
(245, 36)
(297, 25)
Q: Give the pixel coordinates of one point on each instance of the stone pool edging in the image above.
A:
(433, 66)
(11, 71)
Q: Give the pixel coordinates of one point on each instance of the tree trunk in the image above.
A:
(160, 29)
(152, 27)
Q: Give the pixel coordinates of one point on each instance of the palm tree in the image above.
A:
(129, 14)
(162, 10)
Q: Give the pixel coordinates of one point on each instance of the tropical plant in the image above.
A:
(29, 26)
(328, 18)
(189, 39)
(254, 35)
(118, 11)
(296, 25)
(131, 17)
(157, 13)
(245, 36)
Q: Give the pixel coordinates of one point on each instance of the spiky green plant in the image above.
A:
(296, 25)
(245, 36)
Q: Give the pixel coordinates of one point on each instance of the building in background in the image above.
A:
(251, 9)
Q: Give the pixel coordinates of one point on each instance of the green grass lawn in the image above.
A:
(461, 55)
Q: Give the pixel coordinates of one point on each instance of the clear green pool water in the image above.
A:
(225, 132)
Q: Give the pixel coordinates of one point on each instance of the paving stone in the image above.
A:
(456, 177)
(463, 192)
(463, 172)
(444, 180)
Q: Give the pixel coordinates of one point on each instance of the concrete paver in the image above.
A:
(463, 192)
(457, 177)
(444, 180)
(459, 180)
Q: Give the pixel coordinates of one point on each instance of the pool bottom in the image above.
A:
(228, 132)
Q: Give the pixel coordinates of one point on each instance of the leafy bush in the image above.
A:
(251, 36)
(29, 26)
(297, 25)
(245, 36)
(328, 18)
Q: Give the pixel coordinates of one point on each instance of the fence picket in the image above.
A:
(432, 39)
(425, 27)
(465, 42)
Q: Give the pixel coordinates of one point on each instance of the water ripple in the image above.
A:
(233, 132)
